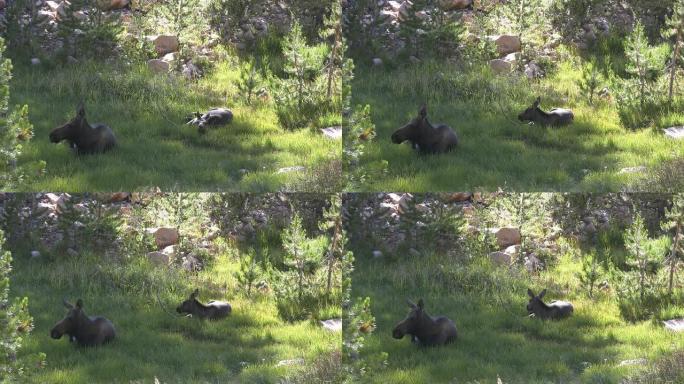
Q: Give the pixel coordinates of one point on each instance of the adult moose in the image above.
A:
(214, 117)
(424, 136)
(425, 329)
(214, 310)
(555, 117)
(85, 330)
(82, 137)
(556, 310)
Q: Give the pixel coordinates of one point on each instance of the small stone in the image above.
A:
(35, 61)
(500, 258)
(377, 62)
(285, 363)
(158, 66)
(332, 133)
(377, 254)
(164, 237)
(332, 325)
(296, 168)
(674, 325)
(158, 258)
(35, 254)
(72, 252)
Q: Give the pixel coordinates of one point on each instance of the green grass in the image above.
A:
(156, 148)
(496, 338)
(152, 342)
(496, 150)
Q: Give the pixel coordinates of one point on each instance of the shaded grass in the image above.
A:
(152, 342)
(156, 148)
(495, 148)
(496, 338)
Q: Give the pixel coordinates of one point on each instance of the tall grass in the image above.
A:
(156, 148)
(496, 338)
(495, 148)
(152, 340)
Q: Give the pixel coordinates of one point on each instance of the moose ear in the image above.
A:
(537, 102)
(411, 304)
(530, 293)
(67, 304)
(194, 294)
(79, 304)
(423, 111)
(80, 111)
(421, 304)
(542, 293)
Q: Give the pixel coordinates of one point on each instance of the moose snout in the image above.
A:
(395, 139)
(520, 117)
(179, 310)
(397, 334)
(53, 138)
(55, 334)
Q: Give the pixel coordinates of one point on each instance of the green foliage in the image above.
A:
(590, 82)
(249, 82)
(431, 32)
(357, 132)
(300, 97)
(675, 29)
(186, 19)
(638, 101)
(674, 225)
(250, 271)
(15, 326)
(592, 271)
(15, 132)
(88, 30)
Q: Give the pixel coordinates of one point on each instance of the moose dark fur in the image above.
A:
(555, 310)
(555, 117)
(424, 136)
(425, 329)
(85, 330)
(214, 117)
(82, 137)
(214, 310)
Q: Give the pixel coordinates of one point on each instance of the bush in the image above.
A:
(89, 31)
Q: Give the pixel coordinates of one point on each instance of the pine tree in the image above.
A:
(640, 57)
(675, 222)
(294, 243)
(15, 324)
(15, 130)
(675, 28)
(635, 242)
(589, 81)
(249, 272)
(87, 29)
(332, 223)
(332, 31)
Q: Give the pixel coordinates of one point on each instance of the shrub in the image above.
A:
(89, 31)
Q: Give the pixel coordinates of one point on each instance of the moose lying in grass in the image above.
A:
(82, 137)
(214, 117)
(214, 310)
(556, 310)
(555, 117)
(425, 329)
(85, 330)
(425, 137)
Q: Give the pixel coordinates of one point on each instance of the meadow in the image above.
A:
(496, 338)
(496, 150)
(156, 148)
(253, 345)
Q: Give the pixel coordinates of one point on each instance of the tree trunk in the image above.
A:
(673, 71)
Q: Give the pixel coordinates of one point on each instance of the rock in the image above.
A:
(35, 254)
(285, 363)
(532, 263)
(414, 60)
(641, 361)
(395, 5)
(163, 237)
(296, 168)
(500, 66)
(377, 254)
(377, 62)
(170, 57)
(506, 44)
(455, 5)
(387, 15)
(500, 258)
(674, 325)
(35, 61)
(190, 71)
(332, 325)
(332, 133)
(158, 66)
(191, 263)
(169, 251)
(118, 197)
(158, 258)
(638, 169)
(2, 4)
(513, 58)
(533, 70)
(414, 252)
(459, 197)
(71, 60)
(164, 44)
(505, 237)
(676, 133)
(513, 250)
(117, 4)
(72, 252)
(57, 8)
